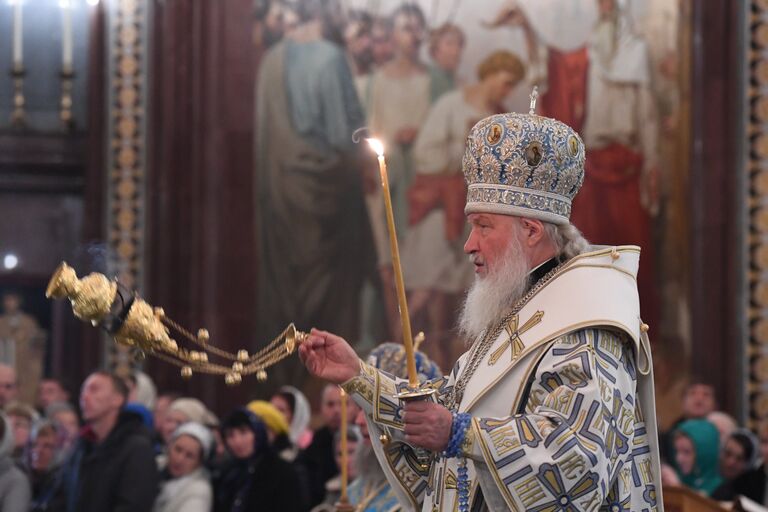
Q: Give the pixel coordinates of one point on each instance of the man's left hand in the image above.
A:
(427, 425)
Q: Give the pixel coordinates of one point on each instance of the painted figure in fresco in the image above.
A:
(552, 406)
(22, 346)
(446, 44)
(435, 267)
(314, 246)
(357, 40)
(397, 101)
(382, 45)
(603, 90)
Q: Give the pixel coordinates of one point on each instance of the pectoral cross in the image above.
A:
(534, 96)
(514, 336)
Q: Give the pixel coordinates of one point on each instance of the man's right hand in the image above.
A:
(329, 357)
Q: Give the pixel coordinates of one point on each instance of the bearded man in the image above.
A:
(370, 491)
(552, 405)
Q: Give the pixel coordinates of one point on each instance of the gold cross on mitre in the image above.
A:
(534, 96)
(514, 336)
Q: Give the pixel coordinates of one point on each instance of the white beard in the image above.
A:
(491, 297)
(368, 467)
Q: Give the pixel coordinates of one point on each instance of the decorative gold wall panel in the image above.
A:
(757, 239)
(127, 96)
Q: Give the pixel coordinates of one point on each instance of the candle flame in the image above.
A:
(377, 146)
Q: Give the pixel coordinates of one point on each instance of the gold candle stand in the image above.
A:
(65, 111)
(18, 119)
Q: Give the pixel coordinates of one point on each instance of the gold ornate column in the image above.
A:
(128, 23)
(757, 230)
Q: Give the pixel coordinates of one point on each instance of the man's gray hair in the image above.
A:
(567, 239)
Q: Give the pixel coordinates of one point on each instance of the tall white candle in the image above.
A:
(66, 34)
(17, 33)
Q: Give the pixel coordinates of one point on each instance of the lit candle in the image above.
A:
(344, 456)
(66, 34)
(17, 33)
(405, 321)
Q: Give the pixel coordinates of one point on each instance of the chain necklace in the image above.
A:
(481, 348)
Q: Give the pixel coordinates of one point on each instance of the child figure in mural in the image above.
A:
(22, 345)
(446, 44)
(436, 269)
(596, 78)
(397, 100)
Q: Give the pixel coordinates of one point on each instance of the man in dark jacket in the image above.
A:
(319, 457)
(112, 466)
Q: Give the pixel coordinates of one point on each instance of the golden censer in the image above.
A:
(134, 323)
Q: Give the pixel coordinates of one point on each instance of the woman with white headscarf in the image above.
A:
(187, 484)
(295, 407)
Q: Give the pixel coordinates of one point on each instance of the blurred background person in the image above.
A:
(15, 491)
(186, 483)
(43, 457)
(697, 448)
(724, 423)
(162, 404)
(181, 411)
(255, 478)
(9, 385)
(65, 417)
(280, 442)
(319, 458)
(21, 417)
(752, 483)
(112, 466)
(740, 453)
(295, 407)
(699, 400)
(50, 391)
(333, 486)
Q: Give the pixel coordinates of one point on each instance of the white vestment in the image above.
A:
(562, 403)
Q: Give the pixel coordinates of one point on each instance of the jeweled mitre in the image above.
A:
(524, 165)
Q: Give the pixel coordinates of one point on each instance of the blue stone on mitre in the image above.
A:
(523, 165)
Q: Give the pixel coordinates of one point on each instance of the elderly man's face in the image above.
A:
(488, 240)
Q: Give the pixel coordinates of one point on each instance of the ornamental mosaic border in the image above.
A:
(756, 229)
(513, 196)
(126, 148)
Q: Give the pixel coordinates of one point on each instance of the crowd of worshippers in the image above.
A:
(708, 451)
(124, 447)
